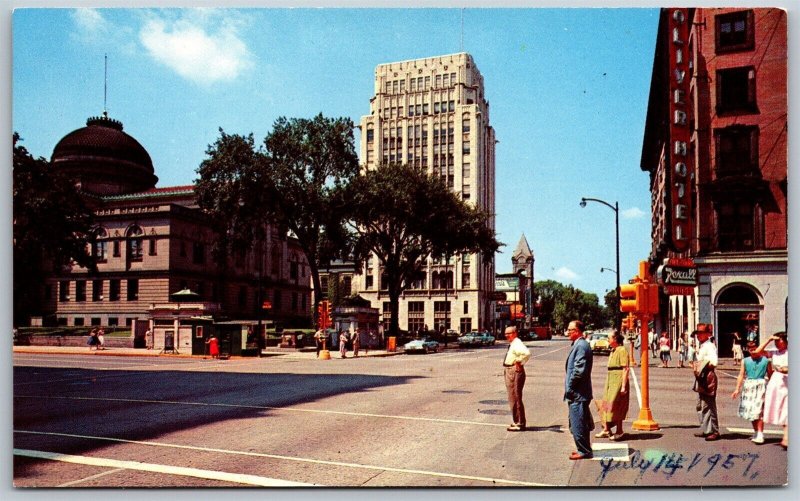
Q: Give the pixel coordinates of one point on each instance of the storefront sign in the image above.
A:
(677, 276)
(679, 172)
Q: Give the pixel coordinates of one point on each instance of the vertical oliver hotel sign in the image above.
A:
(680, 171)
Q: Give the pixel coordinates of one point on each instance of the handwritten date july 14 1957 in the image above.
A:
(670, 464)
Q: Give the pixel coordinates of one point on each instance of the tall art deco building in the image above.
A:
(433, 113)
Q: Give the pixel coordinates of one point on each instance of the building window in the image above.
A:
(95, 321)
(113, 289)
(99, 248)
(113, 321)
(293, 270)
(465, 280)
(466, 307)
(736, 90)
(153, 247)
(737, 151)
(97, 290)
(736, 226)
(63, 291)
(370, 282)
(198, 253)
(133, 289)
(416, 316)
(465, 192)
(78, 322)
(735, 31)
(294, 301)
(466, 324)
(115, 245)
(370, 135)
(465, 148)
(135, 243)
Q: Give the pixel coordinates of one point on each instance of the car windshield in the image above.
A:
(599, 336)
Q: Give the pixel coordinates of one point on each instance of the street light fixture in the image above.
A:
(607, 269)
(615, 208)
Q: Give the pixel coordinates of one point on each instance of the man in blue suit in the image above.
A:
(578, 390)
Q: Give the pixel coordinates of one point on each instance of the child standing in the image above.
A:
(752, 383)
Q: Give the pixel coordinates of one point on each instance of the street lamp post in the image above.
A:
(615, 208)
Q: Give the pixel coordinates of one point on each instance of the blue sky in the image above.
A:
(567, 89)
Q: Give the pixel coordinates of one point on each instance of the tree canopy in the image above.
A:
(403, 216)
(294, 182)
(561, 304)
(52, 228)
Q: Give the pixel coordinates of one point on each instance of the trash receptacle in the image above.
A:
(392, 344)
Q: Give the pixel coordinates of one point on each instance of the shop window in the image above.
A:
(736, 90)
(735, 31)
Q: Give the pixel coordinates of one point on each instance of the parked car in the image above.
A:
(422, 345)
(599, 342)
(485, 338)
(470, 339)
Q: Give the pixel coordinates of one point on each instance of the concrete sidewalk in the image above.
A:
(304, 353)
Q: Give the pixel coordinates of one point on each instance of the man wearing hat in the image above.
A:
(706, 383)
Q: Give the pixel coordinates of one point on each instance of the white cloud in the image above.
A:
(201, 46)
(90, 24)
(633, 213)
(565, 274)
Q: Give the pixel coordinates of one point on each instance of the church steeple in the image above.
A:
(522, 258)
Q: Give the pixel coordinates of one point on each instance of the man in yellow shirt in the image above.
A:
(513, 367)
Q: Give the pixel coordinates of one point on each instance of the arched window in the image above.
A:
(135, 243)
(99, 244)
(738, 295)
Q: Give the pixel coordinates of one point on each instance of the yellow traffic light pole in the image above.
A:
(640, 297)
(324, 321)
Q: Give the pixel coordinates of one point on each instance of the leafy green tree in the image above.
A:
(52, 229)
(403, 216)
(549, 293)
(560, 304)
(611, 307)
(294, 182)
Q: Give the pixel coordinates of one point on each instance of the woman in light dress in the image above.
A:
(776, 402)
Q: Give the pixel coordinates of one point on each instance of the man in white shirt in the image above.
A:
(513, 365)
(706, 386)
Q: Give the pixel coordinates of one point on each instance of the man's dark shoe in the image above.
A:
(700, 435)
(712, 437)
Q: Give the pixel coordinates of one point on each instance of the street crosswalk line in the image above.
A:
(490, 480)
(239, 478)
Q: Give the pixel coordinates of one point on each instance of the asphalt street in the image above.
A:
(435, 420)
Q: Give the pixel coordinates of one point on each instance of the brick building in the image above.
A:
(715, 146)
(153, 242)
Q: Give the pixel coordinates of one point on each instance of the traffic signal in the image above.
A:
(652, 299)
(629, 322)
(631, 296)
(324, 314)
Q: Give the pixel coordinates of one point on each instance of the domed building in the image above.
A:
(153, 242)
(104, 160)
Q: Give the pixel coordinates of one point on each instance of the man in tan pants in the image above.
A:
(514, 373)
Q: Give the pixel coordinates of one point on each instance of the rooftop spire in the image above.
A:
(105, 88)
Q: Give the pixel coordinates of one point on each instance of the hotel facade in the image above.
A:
(715, 147)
